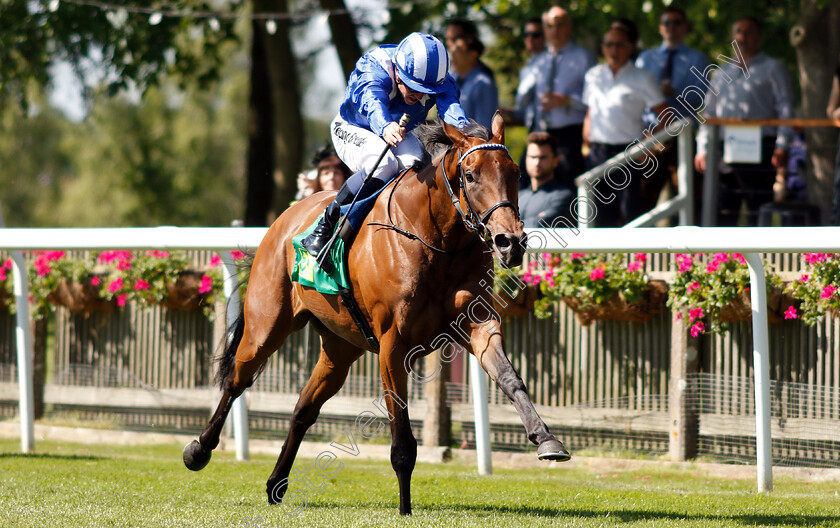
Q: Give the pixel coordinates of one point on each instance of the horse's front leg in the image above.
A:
(487, 345)
(395, 393)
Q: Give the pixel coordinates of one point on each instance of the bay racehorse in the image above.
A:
(424, 255)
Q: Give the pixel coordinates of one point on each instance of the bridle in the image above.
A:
(473, 222)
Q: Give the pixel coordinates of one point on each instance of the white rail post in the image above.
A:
(583, 206)
(239, 409)
(478, 383)
(23, 338)
(761, 368)
(23, 341)
(685, 173)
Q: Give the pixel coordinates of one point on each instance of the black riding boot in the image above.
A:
(316, 241)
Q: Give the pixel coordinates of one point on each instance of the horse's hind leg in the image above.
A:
(327, 378)
(257, 334)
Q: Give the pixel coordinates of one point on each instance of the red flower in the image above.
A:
(697, 329)
(215, 261)
(121, 300)
(695, 313)
(115, 286)
(597, 274)
(641, 257)
(237, 255)
(141, 285)
(791, 313)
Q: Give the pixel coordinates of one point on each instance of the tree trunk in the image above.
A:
(260, 138)
(817, 45)
(343, 35)
(285, 101)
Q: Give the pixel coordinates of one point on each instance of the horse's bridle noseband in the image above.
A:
(471, 219)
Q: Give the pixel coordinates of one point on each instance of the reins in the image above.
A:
(471, 219)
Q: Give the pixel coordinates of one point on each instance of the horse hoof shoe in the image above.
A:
(553, 450)
(195, 456)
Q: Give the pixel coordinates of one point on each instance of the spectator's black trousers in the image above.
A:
(624, 202)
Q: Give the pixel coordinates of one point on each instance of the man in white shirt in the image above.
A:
(755, 87)
(556, 96)
(616, 95)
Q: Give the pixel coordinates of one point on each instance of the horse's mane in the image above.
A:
(435, 140)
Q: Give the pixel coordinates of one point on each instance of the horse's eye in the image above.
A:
(469, 177)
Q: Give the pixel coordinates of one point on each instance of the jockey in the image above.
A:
(389, 81)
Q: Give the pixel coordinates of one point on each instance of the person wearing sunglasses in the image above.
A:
(616, 94)
(671, 63)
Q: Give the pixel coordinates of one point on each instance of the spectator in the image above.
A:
(671, 63)
(616, 94)
(833, 112)
(522, 114)
(632, 31)
(534, 39)
(479, 95)
(556, 98)
(545, 199)
(459, 27)
(331, 171)
(766, 93)
(307, 185)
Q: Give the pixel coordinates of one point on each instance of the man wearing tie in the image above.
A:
(671, 64)
(556, 97)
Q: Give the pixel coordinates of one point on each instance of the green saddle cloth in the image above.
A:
(307, 272)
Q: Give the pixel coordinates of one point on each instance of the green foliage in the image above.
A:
(135, 52)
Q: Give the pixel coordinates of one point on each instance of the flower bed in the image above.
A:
(113, 278)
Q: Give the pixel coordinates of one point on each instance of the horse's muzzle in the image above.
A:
(510, 248)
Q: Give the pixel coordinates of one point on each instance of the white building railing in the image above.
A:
(686, 239)
(645, 150)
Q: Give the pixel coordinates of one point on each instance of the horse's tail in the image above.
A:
(227, 359)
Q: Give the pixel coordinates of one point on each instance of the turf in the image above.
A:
(141, 486)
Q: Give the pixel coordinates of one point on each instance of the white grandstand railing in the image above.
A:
(750, 241)
(646, 149)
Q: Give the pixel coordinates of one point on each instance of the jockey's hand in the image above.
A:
(393, 134)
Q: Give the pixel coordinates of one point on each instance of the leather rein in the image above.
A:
(474, 222)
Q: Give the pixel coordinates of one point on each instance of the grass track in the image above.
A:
(91, 486)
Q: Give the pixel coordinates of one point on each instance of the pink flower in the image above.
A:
(578, 255)
(697, 329)
(109, 256)
(693, 286)
(95, 281)
(634, 266)
(157, 254)
(546, 257)
(215, 261)
(237, 255)
(720, 258)
(695, 313)
(712, 266)
(206, 284)
(535, 279)
(116, 285)
(679, 316)
(121, 300)
(8, 264)
(813, 258)
(791, 313)
(641, 257)
(123, 265)
(597, 274)
(828, 291)
(526, 277)
(141, 285)
(3, 275)
(684, 262)
(532, 265)
(804, 278)
(740, 258)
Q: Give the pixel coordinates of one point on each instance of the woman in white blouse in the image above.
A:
(616, 94)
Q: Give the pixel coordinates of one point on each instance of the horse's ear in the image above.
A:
(458, 139)
(498, 128)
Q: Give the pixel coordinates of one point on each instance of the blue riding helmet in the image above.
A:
(422, 63)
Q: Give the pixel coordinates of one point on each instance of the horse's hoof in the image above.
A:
(553, 450)
(276, 491)
(195, 456)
